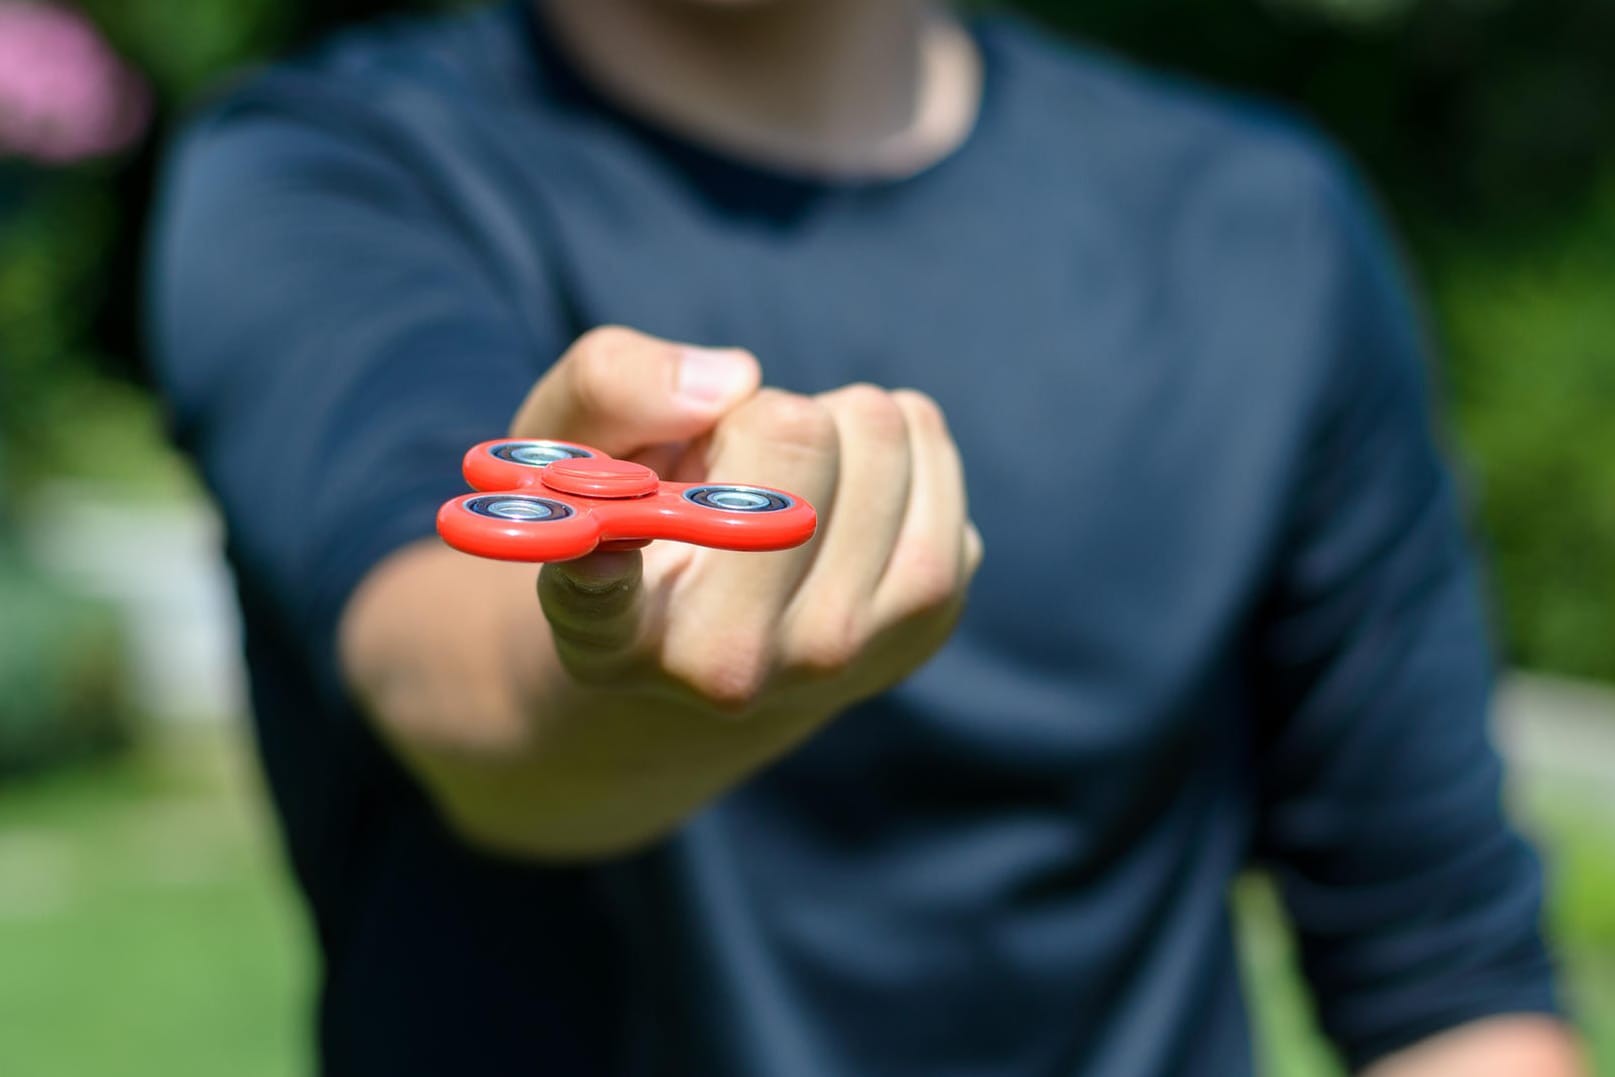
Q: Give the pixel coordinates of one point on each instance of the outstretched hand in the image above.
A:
(801, 633)
(646, 683)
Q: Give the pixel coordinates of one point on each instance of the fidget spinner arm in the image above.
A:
(557, 500)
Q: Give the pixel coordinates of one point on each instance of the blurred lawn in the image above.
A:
(146, 925)
(148, 928)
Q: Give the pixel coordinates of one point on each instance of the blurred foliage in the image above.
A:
(1531, 326)
(1491, 112)
(1485, 123)
(61, 673)
(51, 285)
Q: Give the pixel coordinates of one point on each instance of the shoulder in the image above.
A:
(1162, 144)
(401, 112)
(1236, 214)
(402, 78)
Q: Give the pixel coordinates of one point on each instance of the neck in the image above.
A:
(830, 87)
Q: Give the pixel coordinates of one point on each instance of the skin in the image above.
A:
(832, 87)
(640, 685)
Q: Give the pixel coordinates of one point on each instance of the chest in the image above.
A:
(1126, 450)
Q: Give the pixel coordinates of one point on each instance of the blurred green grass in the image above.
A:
(148, 927)
(146, 923)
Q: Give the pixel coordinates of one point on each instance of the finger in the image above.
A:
(931, 559)
(621, 391)
(595, 608)
(871, 503)
(975, 549)
(732, 599)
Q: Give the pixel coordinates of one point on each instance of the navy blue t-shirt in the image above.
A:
(1227, 613)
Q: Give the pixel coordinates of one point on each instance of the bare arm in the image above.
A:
(583, 723)
(1417, 905)
(1511, 1046)
(638, 687)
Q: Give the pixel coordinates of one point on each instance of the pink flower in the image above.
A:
(64, 95)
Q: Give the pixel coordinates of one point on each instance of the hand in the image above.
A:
(644, 684)
(687, 669)
(783, 639)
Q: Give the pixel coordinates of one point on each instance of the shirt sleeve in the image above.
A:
(1416, 905)
(330, 340)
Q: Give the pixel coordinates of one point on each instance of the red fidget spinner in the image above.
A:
(554, 501)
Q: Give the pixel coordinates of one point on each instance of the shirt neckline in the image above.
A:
(556, 78)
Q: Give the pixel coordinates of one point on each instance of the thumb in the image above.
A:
(594, 606)
(620, 391)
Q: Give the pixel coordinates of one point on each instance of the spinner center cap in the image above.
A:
(594, 476)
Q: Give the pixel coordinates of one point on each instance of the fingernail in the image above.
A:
(601, 572)
(710, 375)
(591, 585)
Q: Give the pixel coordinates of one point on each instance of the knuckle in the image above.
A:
(726, 675)
(873, 409)
(604, 340)
(795, 420)
(928, 579)
(595, 382)
(827, 648)
(921, 409)
(975, 550)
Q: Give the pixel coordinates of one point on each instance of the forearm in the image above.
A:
(1507, 1046)
(453, 661)
(594, 716)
